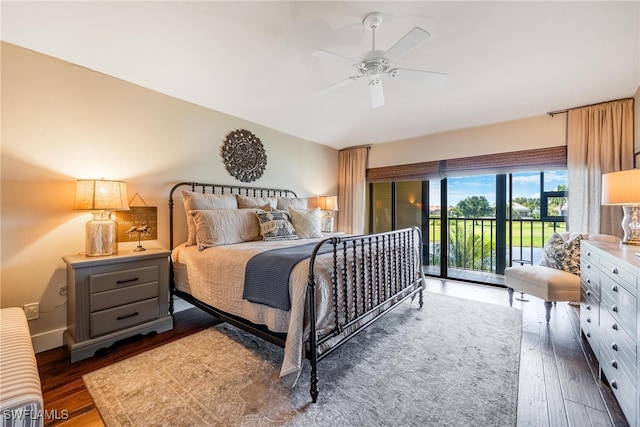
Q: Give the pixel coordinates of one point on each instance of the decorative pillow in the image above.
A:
(218, 227)
(562, 255)
(200, 201)
(286, 202)
(306, 222)
(255, 202)
(276, 226)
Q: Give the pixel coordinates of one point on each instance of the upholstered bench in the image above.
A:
(549, 283)
(20, 393)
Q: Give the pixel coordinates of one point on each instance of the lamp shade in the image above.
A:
(621, 188)
(101, 195)
(329, 203)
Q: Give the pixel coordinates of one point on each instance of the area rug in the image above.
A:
(452, 363)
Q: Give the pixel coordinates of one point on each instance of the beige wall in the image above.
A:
(61, 122)
(636, 123)
(524, 134)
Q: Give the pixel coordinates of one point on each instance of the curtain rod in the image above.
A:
(566, 110)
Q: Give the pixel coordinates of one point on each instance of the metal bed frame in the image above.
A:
(381, 266)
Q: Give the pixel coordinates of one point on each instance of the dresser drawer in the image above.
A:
(589, 320)
(123, 278)
(618, 274)
(623, 388)
(115, 297)
(124, 316)
(619, 346)
(620, 303)
(589, 278)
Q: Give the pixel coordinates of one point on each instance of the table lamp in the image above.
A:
(328, 204)
(623, 189)
(101, 197)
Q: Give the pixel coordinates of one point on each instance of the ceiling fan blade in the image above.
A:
(323, 54)
(410, 40)
(377, 94)
(431, 77)
(338, 85)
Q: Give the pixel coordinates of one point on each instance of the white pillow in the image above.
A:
(200, 201)
(306, 222)
(294, 202)
(218, 227)
(255, 202)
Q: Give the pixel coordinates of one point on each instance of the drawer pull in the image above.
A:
(588, 265)
(588, 333)
(588, 292)
(614, 384)
(588, 319)
(614, 270)
(588, 306)
(126, 316)
(614, 364)
(120, 282)
(614, 326)
(588, 253)
(614, 308)
(614, 347)
(614, 288)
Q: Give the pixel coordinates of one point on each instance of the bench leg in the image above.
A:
(510, 296)
(547, 308)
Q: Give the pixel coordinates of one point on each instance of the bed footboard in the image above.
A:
(371, 275)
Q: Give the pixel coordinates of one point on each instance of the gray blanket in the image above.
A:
(267, 274)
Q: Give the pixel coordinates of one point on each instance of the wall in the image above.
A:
(636, 123)
(524, 134)
(61, 122)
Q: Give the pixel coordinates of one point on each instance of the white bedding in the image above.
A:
(216, 277)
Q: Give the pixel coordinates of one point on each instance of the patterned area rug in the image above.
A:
(452, 363)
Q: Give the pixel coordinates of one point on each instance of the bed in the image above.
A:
(255, 258)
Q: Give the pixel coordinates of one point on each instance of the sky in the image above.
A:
(525, 184)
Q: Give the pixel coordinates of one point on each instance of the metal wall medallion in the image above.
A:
(243, 155)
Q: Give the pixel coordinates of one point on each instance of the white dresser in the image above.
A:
(610, 317)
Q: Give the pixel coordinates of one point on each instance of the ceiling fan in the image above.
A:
(376, 64)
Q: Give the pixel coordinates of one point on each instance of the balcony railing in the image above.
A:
(472, 243)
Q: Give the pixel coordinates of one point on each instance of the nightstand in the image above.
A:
(326, 234)
(114, 297)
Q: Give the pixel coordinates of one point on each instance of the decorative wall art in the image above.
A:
(138, 223)
(244, 155)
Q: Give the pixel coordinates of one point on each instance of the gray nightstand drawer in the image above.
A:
(116, 297)
(113, 319)
(123, 278)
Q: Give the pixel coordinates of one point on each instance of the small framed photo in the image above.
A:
(137, 216)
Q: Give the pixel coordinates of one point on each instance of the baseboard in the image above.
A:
(47, 340)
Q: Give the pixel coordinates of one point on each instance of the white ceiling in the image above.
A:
(504, 60)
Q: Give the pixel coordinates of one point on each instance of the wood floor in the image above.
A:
(559, 383)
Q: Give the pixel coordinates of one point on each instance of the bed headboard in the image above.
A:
(218, 189)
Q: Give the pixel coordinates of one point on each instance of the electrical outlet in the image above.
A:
(32, 311)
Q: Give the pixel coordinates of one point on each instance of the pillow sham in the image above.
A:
(200, 201)
(562, 255)
(306, 222)
(216, 227)
(276, 225)
(255, 202)
(294, 202)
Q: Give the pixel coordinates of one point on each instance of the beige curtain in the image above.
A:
(599, 140)
(352, 177)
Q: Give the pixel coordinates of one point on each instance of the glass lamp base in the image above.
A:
(327, 224)
(100, 235)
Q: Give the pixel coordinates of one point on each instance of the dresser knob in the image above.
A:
(614, 384)
(614, 308)
(588, 333)
(588, 320)
(614, 347)
(614, 364)
(588, 292)
(614, 288)
(588, 280)
(614, 326)
(614, 270)
(588, 253)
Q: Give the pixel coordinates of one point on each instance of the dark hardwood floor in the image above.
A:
(559, 383)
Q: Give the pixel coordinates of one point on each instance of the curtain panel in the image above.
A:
(599, 141)
(352, 176)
